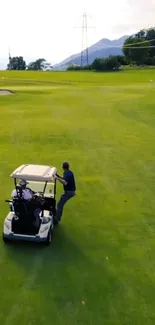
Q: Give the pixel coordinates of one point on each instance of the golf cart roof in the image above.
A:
(35, 173)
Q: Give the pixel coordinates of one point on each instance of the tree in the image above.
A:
(47, 66)
(153, 60)
(106, 64)
(150, 36)
(98, 64)
(112, 63)
(16, 63)
(136, 50)
(74, 67)
(36, 65)
(145, 40)
(121, 59)
(141, 34)
(148, 61)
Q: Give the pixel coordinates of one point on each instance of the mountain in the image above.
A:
(103, 48)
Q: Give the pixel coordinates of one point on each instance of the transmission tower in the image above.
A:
(9, 64)
(9, 54)
(84, 51)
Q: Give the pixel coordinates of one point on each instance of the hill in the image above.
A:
(103, 48)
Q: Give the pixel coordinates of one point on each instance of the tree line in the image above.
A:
(18, 63)
(112, 63)
(140, 48)
(137, 50)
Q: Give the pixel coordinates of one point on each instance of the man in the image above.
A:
(68, 182)
(27, 194)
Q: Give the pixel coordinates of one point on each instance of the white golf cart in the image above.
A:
(20, 221)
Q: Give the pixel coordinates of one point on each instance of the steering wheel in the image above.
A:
(40, 197)
(40, 194)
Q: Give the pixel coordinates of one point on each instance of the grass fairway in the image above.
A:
(100, 268)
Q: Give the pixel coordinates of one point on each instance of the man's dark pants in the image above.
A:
(64, 198)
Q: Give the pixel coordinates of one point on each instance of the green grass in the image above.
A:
(103, 253)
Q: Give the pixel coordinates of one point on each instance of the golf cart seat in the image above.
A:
(24, 209)
(24, 219)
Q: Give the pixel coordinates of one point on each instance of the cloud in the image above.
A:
(139, 5)
(142, 10)
(140, 16)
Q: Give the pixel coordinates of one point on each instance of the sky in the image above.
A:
(52, 29)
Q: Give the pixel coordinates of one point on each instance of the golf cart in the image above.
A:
(19, 223)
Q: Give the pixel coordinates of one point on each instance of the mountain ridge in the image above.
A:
(102, 48)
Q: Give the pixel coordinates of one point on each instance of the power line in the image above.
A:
(144, 41)
(139, 47)
(126, 46)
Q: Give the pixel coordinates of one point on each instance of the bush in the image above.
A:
(98, 64)
(122, 59)
(112, 64)
(148, 61)
(109, 64)
(153, 60)
(78, 68)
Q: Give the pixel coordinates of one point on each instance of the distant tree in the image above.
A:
(112, 64)
(78, 67)
(47, 66)
(73, 67)
(87, 67)
(146, 52)
(99, 64)
(153, 60)
(16, 63)
(150, 36)
(70, 68)
(36, 65)
(148, 61)
(136, 50)
(122, 59)
(141, 34)
(106, 64)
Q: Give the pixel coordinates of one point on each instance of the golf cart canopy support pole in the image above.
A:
(44, 188)
(55, 185)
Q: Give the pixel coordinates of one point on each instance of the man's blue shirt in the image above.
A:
(68, 176)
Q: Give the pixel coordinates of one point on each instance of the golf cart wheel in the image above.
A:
(5, 240)
(49, 238)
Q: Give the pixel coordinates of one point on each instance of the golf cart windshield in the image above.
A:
(39, 187)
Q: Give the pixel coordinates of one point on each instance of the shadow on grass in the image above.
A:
(71, 281)
(62, 249)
